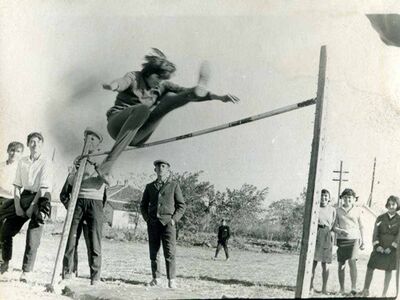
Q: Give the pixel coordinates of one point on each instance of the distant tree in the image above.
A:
(197, 198)
(241, 207)
(289, 214)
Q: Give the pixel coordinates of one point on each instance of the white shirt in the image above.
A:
(33, 174)
(7, 176)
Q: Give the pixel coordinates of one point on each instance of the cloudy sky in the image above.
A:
(54, 56)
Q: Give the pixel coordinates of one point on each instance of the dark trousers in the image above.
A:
(223, 243)
(81, 228)
(165, 234)
(91, 211)
(12, 225)
(2, 200)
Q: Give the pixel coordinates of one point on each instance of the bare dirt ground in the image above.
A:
(126, 269)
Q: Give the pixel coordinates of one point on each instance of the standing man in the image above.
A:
(162, 206)
(89, 209)
(7, 176)
(31, 202)
(224, 234)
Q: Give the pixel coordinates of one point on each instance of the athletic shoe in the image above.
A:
(94, 281)
(154, 282)
(25, 277)
(204, 76)
(4, 267)
(172, 284)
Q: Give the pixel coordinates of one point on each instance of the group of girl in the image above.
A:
(346, 222)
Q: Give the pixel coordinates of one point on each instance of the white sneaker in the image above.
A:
(204, 76)
(154, 282)
(172, 284)
(25, 277)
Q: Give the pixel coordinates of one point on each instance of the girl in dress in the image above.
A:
(324, 242)
(386, 237)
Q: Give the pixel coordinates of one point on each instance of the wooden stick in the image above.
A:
(70, 212)
(253, 118)
(306, 258)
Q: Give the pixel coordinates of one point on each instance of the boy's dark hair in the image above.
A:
(325, 191)
(15, 145)
(394, 199)
(34, 135)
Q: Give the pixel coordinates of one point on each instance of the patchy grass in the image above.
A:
(126, 269)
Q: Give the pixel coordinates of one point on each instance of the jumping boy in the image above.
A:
(350, 238)
(144, 98)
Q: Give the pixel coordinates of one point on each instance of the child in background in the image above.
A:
(350, 237)
(385, 239)
(324, 242)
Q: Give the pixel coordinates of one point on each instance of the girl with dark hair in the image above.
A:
(385, 239)
(324, 242)
(143, 99)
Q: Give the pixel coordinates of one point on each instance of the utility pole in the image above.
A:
(369, 202)
(340, 180)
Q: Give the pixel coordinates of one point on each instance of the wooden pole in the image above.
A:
(369, 203)
(70, 212)
(313, 192)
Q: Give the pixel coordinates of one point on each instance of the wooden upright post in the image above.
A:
(313, 192)
(70, 212)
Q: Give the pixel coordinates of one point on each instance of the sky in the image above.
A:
(55, 55)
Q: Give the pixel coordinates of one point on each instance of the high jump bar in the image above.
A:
(253, 118)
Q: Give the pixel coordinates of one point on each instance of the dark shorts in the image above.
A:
(347, 249)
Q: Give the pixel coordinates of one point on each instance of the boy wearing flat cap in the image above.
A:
(350, 238)
(88, 209)
(162, 206)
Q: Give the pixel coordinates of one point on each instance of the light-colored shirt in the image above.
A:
(7, 176)
(327, 216)
(33, 175)
(92, 186)
(349, 220)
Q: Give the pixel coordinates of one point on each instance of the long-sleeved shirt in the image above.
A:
(132, 90)
(7, 176)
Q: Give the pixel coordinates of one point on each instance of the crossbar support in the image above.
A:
(311, 210)
(253, 118)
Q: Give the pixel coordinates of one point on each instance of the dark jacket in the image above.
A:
(164, 204)
(223, 233)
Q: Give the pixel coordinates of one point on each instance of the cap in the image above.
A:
(161, 161)
(90, 130)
